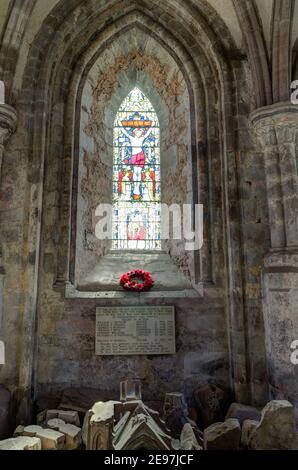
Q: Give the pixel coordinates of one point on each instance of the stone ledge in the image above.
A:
(103, 281)
(106, 274)
(72, 293)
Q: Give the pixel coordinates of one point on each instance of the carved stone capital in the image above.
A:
(276, 124)
(8, 122)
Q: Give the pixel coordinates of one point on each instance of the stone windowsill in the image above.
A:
(103, 281)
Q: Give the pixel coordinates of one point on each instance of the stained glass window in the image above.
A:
(136, 175)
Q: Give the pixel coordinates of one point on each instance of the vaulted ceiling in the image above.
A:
(264, 30)
(224, 8)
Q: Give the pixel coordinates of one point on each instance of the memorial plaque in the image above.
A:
(135, 330)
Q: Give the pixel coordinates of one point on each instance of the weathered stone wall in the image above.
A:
(254, 233)
(186, 54)
(66, 328)
(66, 352)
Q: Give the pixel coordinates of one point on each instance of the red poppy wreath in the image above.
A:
(130, 280)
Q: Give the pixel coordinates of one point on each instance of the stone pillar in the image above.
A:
(2, 345)
(8, 123)
(276, 127)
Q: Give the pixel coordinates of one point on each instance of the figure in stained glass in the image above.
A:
(136, 136)
(136, 216)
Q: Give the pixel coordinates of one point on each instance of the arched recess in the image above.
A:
(164, 84)
(53, 83)
(200, 121)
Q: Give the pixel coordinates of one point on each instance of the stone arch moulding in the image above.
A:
(201, 96)
(132, 62)
(55, 88)
(256, 49)
(193, 76)
(79, 90)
